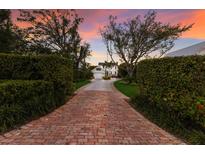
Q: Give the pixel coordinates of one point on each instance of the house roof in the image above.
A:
(191, 50)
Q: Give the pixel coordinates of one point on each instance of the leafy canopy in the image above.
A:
(138, 37)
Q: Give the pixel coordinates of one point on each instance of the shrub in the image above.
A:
(122, 73)
(22, 100)
(82, 74)
(175, 87)
(42, 67)
(106, 77)
(31, 86)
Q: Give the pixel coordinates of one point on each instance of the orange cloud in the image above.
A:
(182, 17)
(185, 18)
(94, 19)
(198, 29)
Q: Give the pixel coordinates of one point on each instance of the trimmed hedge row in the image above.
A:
(31, 86)
(175, 89)
(42, 67)
(22, 100)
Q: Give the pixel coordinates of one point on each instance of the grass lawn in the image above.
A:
(81, 83)
(129, 90)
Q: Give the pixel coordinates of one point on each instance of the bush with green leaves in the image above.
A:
(82, 74)
(31, 86)
(122, 73)
(21, 100)
(174, 87)
(42, 67)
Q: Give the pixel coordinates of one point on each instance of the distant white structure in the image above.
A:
(197, 49)
(98, 72)
(101, 69)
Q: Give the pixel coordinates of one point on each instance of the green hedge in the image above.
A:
(22, 100)
(175, 89)
(42, 67)
(31, 86)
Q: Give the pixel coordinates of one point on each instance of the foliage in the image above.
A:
(92, 67)
(130, 90)
(136, 38)
(106, 77)
(22, 100)
(9, 39)
(31, 86)
(55, 31)
(109, 64)
(80, 53)
(174, 88)
(191, 133)
(5, 30)
(84, 73)
(122, 71)
(42, 67)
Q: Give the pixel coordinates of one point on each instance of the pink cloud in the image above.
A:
(96, 19)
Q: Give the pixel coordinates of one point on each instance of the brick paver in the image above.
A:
(91, 117)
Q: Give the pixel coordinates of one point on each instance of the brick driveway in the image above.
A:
(91, 117)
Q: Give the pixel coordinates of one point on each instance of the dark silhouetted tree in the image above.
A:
(55, 31)
(7, 36)
(11, 37)
(51, 30)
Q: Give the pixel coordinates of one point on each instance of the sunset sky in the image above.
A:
(94, 19)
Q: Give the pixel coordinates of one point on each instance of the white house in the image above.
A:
(197, 49)
(102, 68)
(98, 72)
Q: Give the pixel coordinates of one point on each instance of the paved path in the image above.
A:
(100, 85)
(96, 115)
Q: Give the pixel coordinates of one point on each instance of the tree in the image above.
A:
(80, 52)
(55, 31)
(136, 38)
(51, 30)
(122, 71)
(7, 37)
(11, 37)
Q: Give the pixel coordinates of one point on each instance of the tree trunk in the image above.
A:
(130, 74)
